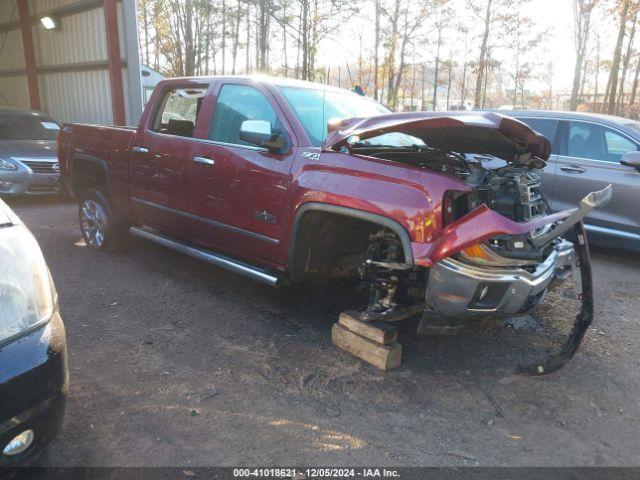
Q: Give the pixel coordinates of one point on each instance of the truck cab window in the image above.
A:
(237, 103)
(178, 111)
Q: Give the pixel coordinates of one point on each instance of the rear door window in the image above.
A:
(546, 127)
(597, 142)
(586, 140)
(178, 111)
(617, 145)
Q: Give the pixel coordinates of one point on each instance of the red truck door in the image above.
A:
(161, 153)
(238, 190)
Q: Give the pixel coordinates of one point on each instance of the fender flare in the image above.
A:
(87, 158)
(386, 222)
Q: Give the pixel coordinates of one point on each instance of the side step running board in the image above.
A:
(213, 258)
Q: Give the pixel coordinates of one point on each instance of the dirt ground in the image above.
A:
(174, 362)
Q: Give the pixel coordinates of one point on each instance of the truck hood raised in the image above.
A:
(462, 132)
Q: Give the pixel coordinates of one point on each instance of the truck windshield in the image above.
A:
(27, 127)
(314, 108)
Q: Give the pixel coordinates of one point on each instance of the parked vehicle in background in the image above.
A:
(33, 351)
(28, 162)
(283, 181)
(590, 151)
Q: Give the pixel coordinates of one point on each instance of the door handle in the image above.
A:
(204, 160)
(573, 169)
(140, 149)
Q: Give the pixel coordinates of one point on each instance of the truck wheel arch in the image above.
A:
(95, 175)
(352, 213)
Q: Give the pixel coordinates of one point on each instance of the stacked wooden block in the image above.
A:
(375, 343)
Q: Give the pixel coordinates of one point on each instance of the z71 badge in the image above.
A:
(311, 155)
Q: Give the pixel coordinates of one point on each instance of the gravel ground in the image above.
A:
(174, 362)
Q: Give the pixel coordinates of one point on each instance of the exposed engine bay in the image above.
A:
(512, 190)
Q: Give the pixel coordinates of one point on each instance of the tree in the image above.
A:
(449, 65)
(236, 36)
(497, 17)
(625, 63)
(391, 52)
(145, 22)
(376, 55)
(609, 103)
(416, 49)
(582, 25)
(463, 78)
(482, 60)
(411, 20)
(634, 87)
(403, 24)
(444, 16)
(247, 60)
(522, 38)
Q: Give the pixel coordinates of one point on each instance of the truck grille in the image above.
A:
(39, 166)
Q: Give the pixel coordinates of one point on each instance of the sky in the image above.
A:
(556, 16)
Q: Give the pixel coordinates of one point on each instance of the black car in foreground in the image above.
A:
(33, 351)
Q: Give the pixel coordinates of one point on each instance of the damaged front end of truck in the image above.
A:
(499, 249)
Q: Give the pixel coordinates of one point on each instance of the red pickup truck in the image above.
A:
(283, 180)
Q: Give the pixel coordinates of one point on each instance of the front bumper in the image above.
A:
(459, 289)
(33, 388)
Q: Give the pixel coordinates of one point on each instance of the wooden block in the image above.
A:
(384, 357)
(378, 332)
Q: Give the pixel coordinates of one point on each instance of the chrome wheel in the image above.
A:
(93, 223)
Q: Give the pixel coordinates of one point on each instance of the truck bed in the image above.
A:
(107, 146)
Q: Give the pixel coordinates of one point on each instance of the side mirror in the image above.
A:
(260, 133)
(631, 159)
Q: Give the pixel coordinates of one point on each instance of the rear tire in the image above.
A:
(100, 226)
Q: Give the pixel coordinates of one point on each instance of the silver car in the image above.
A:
(590, 151)
(28, 162)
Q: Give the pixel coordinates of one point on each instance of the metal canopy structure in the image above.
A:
(76, 60)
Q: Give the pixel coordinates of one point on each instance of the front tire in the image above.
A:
(99, 225)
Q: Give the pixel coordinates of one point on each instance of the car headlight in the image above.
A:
(7, 165)
(27, 294)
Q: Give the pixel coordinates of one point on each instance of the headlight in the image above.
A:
(26, 290)
(7, 165)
